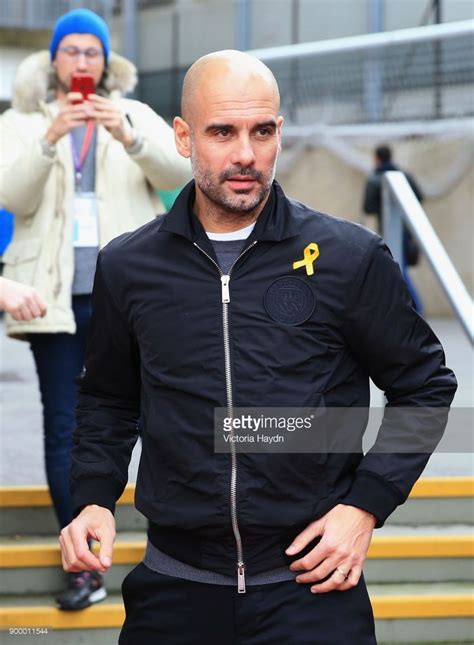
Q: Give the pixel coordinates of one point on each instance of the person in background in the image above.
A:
(20, 301)
(76, 173)
(372, 205)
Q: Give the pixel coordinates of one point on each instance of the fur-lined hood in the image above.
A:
(34, 81)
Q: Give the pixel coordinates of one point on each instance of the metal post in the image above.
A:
(375, 16)
(30, 15)
(294, 65)
(242, 33)
(438, 65)
(392, 222)
(373, 92)
(295, 22)
(175, 107)
(129, 45)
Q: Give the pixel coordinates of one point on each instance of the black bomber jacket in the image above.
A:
(172, 339)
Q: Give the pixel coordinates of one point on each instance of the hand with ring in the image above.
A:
(342, 573)
(338, 558)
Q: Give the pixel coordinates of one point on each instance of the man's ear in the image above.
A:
(280, 122)
(182, 137)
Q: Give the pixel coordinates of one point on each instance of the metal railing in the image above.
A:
(42, 14)
(403, 75)
(400, 206)
(367, 41)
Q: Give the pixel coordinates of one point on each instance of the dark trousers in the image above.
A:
(413, 290)
(161, 610)
(59, 359)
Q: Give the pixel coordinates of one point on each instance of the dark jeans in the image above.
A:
(161, 610)
(59, 359)
(413, 290)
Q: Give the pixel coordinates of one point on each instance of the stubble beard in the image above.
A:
(238, 204)
(61, 85)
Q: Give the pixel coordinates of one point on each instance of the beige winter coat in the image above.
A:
(39, 190)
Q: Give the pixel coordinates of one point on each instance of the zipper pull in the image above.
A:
(225, 288)
(240, 577)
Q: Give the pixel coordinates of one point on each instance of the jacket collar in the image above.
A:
(386, 167)
(275, 222)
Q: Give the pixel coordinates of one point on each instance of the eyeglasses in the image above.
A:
(93, 54)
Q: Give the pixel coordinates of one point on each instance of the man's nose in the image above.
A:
(81, 62)
(243, 153)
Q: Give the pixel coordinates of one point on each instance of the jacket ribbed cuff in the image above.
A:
(373, 494)
(100, 491)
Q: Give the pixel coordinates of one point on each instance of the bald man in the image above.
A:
(242, 298)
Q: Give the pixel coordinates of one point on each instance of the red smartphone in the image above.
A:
(84, 84)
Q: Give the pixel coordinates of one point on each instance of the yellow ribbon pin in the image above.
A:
(310, 255)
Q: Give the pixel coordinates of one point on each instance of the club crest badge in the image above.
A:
(289, 301)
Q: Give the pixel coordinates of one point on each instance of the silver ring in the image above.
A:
(343, 573)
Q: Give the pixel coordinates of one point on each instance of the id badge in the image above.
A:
(86, 230)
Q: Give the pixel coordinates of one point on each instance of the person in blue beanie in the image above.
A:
(80, 21)
(76, 173)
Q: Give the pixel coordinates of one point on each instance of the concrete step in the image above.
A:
(426, 554)
(437, 500)
(434, 500)
(28, 510)
(32, 564)
(414, 613)
(404, 614)
(35, 617)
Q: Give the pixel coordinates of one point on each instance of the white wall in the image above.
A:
(209, 25)
(322, 19)
(10, 58)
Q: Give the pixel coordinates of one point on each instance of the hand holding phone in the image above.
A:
(83, 84)
(73, 113)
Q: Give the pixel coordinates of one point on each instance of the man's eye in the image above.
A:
(92, 52)
(224, 132)
(264, 132)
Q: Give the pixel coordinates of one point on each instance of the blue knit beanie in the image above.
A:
(80, 21)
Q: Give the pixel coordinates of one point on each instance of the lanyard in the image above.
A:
(79, 159)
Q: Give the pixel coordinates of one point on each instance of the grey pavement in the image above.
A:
(21, 448)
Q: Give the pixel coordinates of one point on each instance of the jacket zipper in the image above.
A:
(225, 292)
